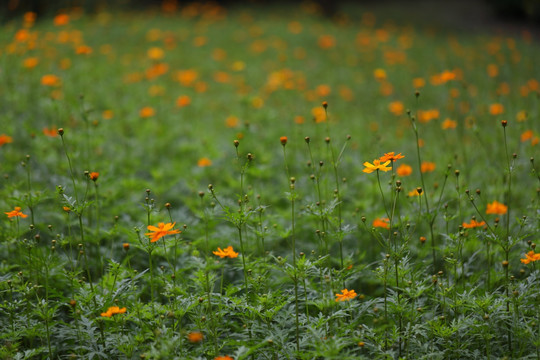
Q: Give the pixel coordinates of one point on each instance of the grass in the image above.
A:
(137, 143)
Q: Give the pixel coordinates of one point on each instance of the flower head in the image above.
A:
(93, 176)
(473, 224)
(496, 208)
(381, 222)
(346, 295)
(204, 162)
(5, 139)
(227, 252)
(15, 213)
(427, 166)
(531, 256)
(369, 168)
(195, 336)
(161, 230)
(391, 156)
(113, 310)
(283, 140)
(225, 357)
(404, 170)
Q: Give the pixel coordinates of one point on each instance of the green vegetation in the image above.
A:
(203, 183)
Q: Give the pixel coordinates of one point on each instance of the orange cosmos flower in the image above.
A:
(379, 74)
(369, 168)
(473, 224)
(448, 124)
(195, 336)
(161, 230)
(496, 109)
(227, 252)
(346, 295)
(396, 108)
(155, 53)
(381, 222)
(531, 256)
(427, 166)
(326, 41)
(83, 50)
(391, 156)
(113, 310)
(425, 116)
(419, 83)
(146, 112)
(283, 140)
(183, 100)
(50, 80)
(61, 20)
(30, 62)
(232, 121)
(16, 213)
(107, 114)
(226, 357)
(527, 135)
(204, 162)
(5, 139)
(496, 208)
(404, 170)
(50, 132)
(93, 176)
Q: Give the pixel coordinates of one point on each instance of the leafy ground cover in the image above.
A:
(205, 183)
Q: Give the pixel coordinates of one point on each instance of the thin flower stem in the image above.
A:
(70, 168)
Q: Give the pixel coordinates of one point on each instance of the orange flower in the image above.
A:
(195, 336)
(146, 112)
(66, 208)
(379, 74)
(204, 162)
(448, 124)
(496, 208)
(414, 193)
(83, 50)
(50, 132)
(30, 62)
(5, 139)
(425, 116)
(232, 121)
(391, 156)
(427, 166)
(527, 135)
(16, 213)
(155, 53)
(107, 114)
(183, 100)
(227, 252)
(419, 83)
(496, 109)
(346, 295)
(326, 41)
(93, 176)
(50, 80)
(404, 170)
(161, 230)
(113, 310)
(369, 168)
(226, 357)
(396, 108)
(283, 140)
(473, 224)
(531, 256)
(61, 20)
(381, 222)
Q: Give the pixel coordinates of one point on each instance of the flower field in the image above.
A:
(198, 182)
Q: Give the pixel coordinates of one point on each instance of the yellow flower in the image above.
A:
(369, 168)
(346, 295)
(161, 230)
(227, 252)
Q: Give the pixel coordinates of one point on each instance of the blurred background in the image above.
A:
(525, 12)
